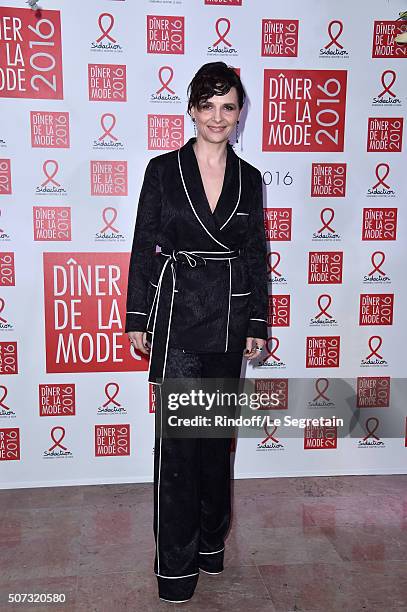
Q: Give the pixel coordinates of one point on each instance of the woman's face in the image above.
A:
(216, 118)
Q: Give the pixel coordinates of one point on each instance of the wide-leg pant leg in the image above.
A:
(176, 494)
(215, 483)
(191, 487)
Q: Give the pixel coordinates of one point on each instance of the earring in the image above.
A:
(193, 120)
(237, 125)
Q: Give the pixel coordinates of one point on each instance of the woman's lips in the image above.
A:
(216, 129)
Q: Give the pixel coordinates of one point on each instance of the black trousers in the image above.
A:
(192, 499)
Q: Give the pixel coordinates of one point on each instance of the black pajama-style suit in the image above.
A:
(197, 299)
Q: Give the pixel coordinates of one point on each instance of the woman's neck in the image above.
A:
(211, 154)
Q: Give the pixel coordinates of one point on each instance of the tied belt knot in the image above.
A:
(187, 257)
(163, 302)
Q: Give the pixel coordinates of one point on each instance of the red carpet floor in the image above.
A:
(323, 544)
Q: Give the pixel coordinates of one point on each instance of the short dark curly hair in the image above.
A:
(214, 79)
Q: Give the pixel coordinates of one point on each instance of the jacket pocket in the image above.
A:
(150, 298)
(240, 286)
(238, 319)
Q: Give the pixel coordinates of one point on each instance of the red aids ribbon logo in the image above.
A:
(106, 32)
(107, 129)
(321, 392)
(272, 268)
(270, 436)
(387, 86)
(270, 350)
(375, 350)
(58, 442)
(2, 304)
(381, 179)
(376, 266)
(165, 83)
(134, 353)
(3, 397)
(222, 37)
(109, 224)
(326, 225)
(110, 397)
(334, 38)
(50, 177)
(322, 310)
(371, 431)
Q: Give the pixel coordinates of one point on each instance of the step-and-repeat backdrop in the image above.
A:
(90, 91)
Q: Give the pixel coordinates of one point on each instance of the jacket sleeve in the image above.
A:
(256, 250)
(143, 250)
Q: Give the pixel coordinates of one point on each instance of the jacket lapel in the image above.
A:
(193, 183)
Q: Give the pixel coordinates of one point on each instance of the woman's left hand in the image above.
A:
(252, 344)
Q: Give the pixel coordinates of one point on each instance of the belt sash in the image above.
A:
(164, 301)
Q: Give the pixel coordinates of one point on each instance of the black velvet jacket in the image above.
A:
(207, 289)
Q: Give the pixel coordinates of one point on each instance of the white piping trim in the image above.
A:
(151, 310)
(230, 291)
(170, 319)
(258, 320)
(236, 294)
(136, 312)
(225, 258)
(156, 295)
(238, 199)
(176, 290)
(242, 213)
(213, 252)
(175, 600)
(211, 553)
(222, 252)
(157, 292)
(175, 577)
(189, 200)
(154, 300)
(159, 481)
(149, 315)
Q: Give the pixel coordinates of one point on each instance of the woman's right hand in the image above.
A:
(139, 341)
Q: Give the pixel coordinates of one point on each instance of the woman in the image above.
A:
(201, 303)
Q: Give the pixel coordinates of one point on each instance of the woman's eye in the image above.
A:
(208, 106)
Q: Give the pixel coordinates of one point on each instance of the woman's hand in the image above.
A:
(139, 341)
(252, 344)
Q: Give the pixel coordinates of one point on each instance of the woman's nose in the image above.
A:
(218, 114)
